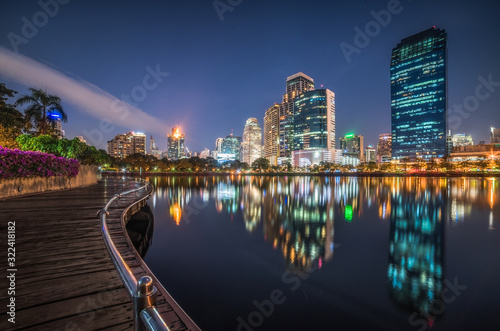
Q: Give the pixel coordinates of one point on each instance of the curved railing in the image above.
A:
(143, 292)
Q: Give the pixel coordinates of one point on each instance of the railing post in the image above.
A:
(144, 297)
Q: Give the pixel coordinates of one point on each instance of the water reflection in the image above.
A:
(140, 230)
(298, 215)
(416, 249)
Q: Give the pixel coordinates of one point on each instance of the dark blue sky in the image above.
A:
(223, 72)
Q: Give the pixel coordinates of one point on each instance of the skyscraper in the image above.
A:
(230, 149)
(251, 145)
(175, 144)
(295, 85)
(384, 147)
(495, 136)
(314, 127)
(353, 146)
(418, 96)
(271, 134)
(126, 144)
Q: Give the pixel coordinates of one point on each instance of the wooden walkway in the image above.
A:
(65, 279)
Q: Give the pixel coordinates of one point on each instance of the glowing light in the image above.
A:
(176, 213)
(348, 213)
(177, 133)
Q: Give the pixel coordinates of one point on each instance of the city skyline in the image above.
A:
(220, 84)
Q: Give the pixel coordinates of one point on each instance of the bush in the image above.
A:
(16, 163)
(74, 148)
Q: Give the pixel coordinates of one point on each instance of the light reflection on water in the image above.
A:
(304, 217)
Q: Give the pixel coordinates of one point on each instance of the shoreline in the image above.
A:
(294, 174)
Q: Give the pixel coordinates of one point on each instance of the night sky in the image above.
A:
(214, 74)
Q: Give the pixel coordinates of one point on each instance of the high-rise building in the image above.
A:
(295, 85)
(271, 134)
(384, 147)
(251, 145)
(462, 139)
(495, 136)
(353, 146)
(126, 144)
(230, 149)
(314, 128)
(155, 151)
(370, 154)
(419, 96)
(176, 144)
(204, 153)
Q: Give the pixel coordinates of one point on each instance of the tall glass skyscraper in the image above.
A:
(418, 96)
(295, 85)
(314, 127)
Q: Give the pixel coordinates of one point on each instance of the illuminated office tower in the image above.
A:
(295, 85)
(314, 128)
(495, 136)
(353, 146)
(175, 144)
(271, 134)
(419, 96)
(384, 148)
(230, 149)
(251, 145)
(370, 154)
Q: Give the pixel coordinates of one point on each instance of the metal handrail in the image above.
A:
(143, 292)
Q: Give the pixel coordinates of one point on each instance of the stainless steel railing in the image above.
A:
(143, 292)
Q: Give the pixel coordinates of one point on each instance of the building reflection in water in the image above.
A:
(297, 215)
(416, 248)
(299, 220)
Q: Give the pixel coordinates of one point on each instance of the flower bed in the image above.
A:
(15, 163)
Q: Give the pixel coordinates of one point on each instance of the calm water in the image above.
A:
(335, 253)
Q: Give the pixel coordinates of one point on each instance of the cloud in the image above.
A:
(87, 97)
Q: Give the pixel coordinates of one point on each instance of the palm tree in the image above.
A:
(40, 106)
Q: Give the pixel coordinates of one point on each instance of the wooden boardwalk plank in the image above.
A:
(65, 277)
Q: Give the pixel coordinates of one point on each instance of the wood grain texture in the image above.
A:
(65, 278)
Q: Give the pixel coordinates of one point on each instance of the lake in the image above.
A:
(329, 253)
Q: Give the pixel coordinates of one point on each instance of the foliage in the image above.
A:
(261, 164)
(11, 120)
(16, 163)
(40, 106)
(74, 148)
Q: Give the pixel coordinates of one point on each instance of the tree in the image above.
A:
(372, 166)
(261, 163)
(11, 120)
(41, 108)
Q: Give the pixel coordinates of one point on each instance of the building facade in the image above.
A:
(230, 149)
(353, 146)
(271, 134)
(175, 143)
(295, 85)
(251, 144)
(495, 136)
(419, 96)
(126, 144)
(384, 147)
(370, 154)
(462, 139)
(314, 127)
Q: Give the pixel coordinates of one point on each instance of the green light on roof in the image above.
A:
(350, 135)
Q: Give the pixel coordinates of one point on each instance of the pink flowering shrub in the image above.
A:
(16, 163)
